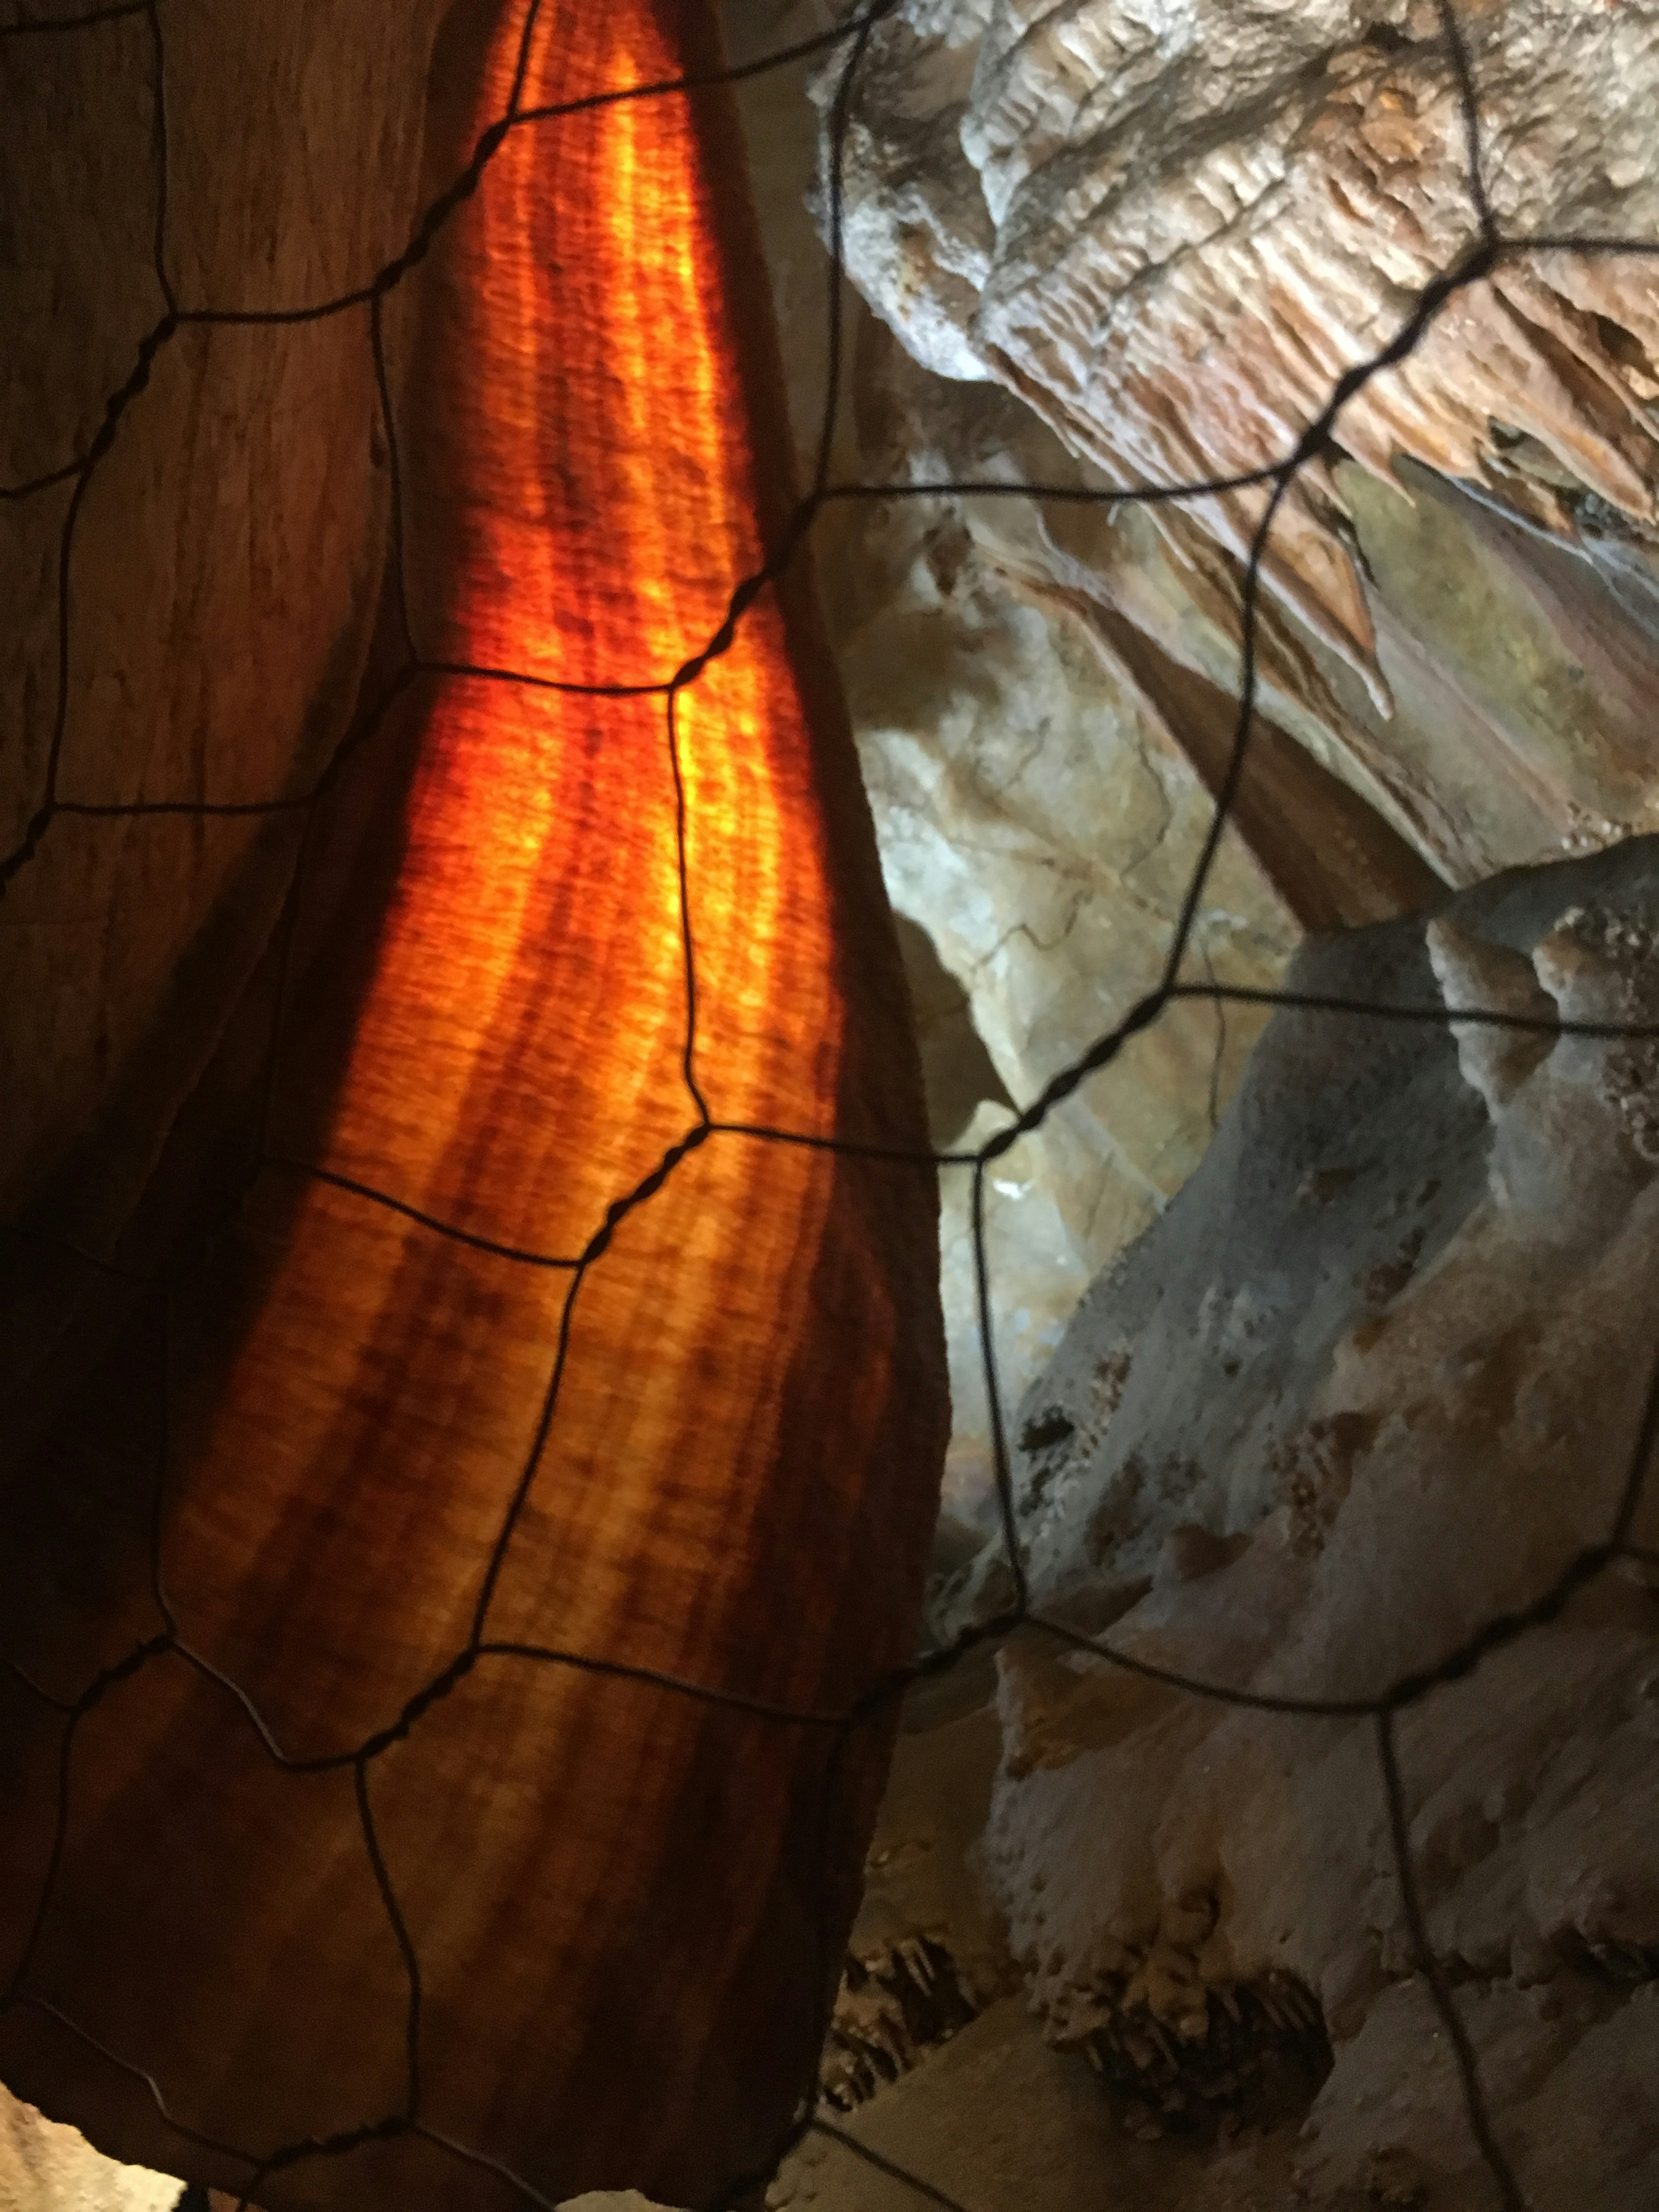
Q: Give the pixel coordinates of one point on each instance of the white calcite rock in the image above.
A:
(1036, 818)
(1443, 688)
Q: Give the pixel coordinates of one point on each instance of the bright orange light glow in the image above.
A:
(712, 1452)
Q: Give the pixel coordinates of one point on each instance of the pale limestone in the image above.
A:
(1037, 817)
(1495, 711)
(47, 2168)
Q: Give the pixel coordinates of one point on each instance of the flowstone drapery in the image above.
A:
(1303, 1925)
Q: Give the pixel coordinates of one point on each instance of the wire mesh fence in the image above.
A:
(848, 42)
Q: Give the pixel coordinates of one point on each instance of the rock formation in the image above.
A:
(262, 557)
(445, 1561)
(1367, 1377)
(1454, 664)
(1172, 229)
(1374, 1376)
(1372, 1381)
(47, 2168)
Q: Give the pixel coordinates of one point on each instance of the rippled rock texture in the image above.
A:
(1171, 228)
(411, 1315)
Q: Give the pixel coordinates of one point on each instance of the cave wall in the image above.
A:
(1455, 678)
(194, 626)
(220, 575)
(1044, 691)
(1454, 659)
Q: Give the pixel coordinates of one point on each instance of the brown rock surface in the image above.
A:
(1172, 229)
(223, 567)
(364, 1482)
(221, 579)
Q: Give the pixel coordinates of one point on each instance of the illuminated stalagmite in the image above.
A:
(439, 1398)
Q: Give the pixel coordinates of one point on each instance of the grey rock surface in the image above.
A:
(1372, 1381)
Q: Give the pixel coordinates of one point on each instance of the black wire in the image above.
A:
(1382, 1708)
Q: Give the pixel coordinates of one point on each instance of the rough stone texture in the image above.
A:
(1036, 816)
(1372, 1379)
(1516, 668)
(928, 1954)
(1520, 673)
(1470, 662)
(1452, 678)
(1036, 819)
(1172, 228)
(47, 2168)
(1517, 663)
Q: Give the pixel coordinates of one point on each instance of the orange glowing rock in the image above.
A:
(414, 1446)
